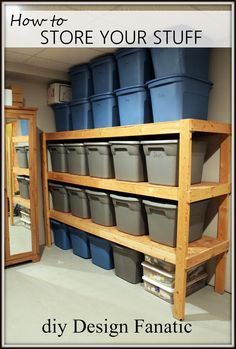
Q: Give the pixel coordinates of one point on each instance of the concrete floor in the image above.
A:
(20, 237)
(63, 287)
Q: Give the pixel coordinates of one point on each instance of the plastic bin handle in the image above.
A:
(120, 149)
(70, 149)
(92, 149)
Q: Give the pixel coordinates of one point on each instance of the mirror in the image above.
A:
(18, 186)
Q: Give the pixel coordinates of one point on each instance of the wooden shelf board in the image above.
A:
(138, 188)
(20, 139)
(21, 201)
(209, 126)
(207, 190)
(21, 171)
(198, 251)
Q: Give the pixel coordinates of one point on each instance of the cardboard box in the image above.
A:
(59, 93)
(8, 97)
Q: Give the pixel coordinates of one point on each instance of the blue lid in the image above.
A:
(78, 69)
(102, 59)
(127, 51)
(60, 105)
(102, 96)
(174, 78)
(130, 89)
(79, 101)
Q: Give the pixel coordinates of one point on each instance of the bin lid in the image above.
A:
(174, 78)
(130, 89)
(102, 96)
(78, 69)
(60, 105)
(55, 185)
(55, 145)
(79, 101)
(73, 144)
(126, 51)
(159, 204)
(102, 59)
(20, 177)
(96, 143)
(22, 145)
(124, 198)
(125, 142)
(158, 270)
(74, 188)
(98, 193)
(169, 141)
(26, 179)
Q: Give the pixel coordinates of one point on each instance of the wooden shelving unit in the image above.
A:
(17, 199)
(20, 171)
(185, 255)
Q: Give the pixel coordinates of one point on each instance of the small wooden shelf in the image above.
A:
(21, 201)
(21, 171)
(198, 251)
(20, 139)
(197, 192)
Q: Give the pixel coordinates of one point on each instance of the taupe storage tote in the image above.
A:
(60, 198)
(58, 157)
(22, 152)
(76, 159)
(101, 208)
(24, 186)
(79, 204)
(100, 160)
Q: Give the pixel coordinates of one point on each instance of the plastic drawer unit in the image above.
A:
(134, 105)
(105, 74)
(134, 66)
(81, 81)
(62, 115)
(128, 264)
(101, 208)
(170, 61)
(100, 160)
(162, 221)
(129, 161)
(77, 161)
(81, 114)
(169, 267)
(130, 215)
(24, 183)
(179, 97)
(101, 251)
(60, 198)
(58, 157)
(22, 152)
(167, 293)
(162, 158)
(105, 110)
(78, 200)
(61, 235)
(80, 242)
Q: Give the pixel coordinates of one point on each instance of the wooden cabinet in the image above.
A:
(185, 255)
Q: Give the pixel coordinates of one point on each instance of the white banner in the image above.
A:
(118, 28)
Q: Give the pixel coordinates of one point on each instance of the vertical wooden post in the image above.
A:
(10, 179)
(222, 228)
(185, 156)
(48, 238)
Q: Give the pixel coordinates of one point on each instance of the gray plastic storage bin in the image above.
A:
(24, 186)
(22, 152)
(162, 158)
(60, 198)
(77, 159)
(79, 204)
(130, 215)
(58, 157)
(101, 208)
(162, 221)
(100, 160)
(129, 161)
(128, 263)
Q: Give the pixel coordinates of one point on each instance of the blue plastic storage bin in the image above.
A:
(179, 97)
(105, 74)
(134, 66)
(62, 116)
(61, 235)
(171, 61)
(81, 81)
(80, 242)
(101, 251)
(105, 110)
(81, 114)
(24, 124)
(134, 105)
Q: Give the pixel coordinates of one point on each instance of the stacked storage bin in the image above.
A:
(82, 89)
(105, 81)
(135, 69)
(181, 87)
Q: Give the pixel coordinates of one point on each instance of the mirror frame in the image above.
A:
(24, 113)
